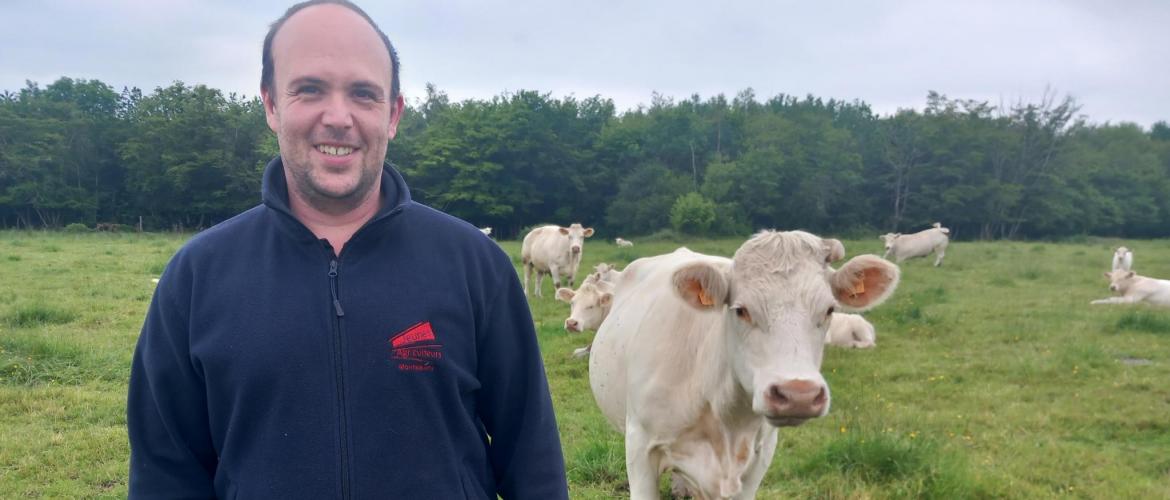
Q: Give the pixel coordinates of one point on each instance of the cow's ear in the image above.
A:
(701, 285)
(1130, 274)
(588, 232)
(834, 250)
(563, 230)
(864, 282)
(565, 294)
(606, 299)
(1108, 275)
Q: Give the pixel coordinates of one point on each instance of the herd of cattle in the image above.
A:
(730, 349)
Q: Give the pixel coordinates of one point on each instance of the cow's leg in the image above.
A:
(755, 473)
(539, 280)
(939, 254)
(527, 271)
(555, 271)
(641, 464)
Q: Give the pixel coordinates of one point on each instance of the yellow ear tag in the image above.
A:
(858, 288)
(705, 299)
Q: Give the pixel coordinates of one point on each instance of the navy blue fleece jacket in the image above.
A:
(406, 367)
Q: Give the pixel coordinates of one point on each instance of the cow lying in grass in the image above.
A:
(850, 330)
(920, 244)
(1131, 288)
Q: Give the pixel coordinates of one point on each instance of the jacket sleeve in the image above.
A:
(171, 452)
(514, 401)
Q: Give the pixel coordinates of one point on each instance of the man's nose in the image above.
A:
(337, 113)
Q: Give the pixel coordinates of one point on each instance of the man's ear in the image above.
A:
(701, 285)
(864, 282)
(269, 109)
(396, 116)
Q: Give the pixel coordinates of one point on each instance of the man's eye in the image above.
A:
(365, 94)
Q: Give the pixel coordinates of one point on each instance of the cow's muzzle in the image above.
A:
(792, 402)
(575, 250)
(572, 325)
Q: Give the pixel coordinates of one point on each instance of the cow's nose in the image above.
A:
(797, 398)
(572, 325)
(1112, 288)
(576, 249)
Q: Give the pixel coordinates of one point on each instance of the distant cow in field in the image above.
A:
(1131, 288)
(1122, 259)
(623, 243)
(703, 357)
(920, 244)
(487, 231)
(603, 272)
(553, 250)
(850, 330)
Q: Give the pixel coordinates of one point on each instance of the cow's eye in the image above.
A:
(742, 313)
(830, 311)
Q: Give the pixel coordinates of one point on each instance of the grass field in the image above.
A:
(993, 377)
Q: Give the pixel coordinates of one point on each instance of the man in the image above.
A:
(339, 340)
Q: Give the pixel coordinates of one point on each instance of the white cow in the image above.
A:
(850, 330)
(603, 272)
(553, 250)
(920, 244)
(1122, 259)
(703, 357)
(588, 305)
(1131, 288)
(623, 243)
(487, 231)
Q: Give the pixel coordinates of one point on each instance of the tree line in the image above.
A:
(187, 157)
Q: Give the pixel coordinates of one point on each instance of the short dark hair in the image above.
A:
(266, 70)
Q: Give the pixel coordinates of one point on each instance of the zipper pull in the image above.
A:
(333, 288)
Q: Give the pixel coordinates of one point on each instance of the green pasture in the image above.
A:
(993, 376)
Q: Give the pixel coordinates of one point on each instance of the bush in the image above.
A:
(76, 227)
(693, 214)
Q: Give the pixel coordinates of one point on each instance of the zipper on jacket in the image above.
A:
(338, 359)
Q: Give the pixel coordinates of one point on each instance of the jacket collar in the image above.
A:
(274, 193)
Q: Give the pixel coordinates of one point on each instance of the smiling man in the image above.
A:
(339, 340)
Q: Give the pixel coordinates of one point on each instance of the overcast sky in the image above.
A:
(1112, 56)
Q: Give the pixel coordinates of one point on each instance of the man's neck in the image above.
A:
(336, 228)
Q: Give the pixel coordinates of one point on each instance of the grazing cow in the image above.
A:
(1131, 288)
(553, 250)
(623, 243)
(920, 244)
(850, 330)
(1122, 259)
(487, 231)
(703, 357)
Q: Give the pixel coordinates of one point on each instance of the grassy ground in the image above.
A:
(993, 377)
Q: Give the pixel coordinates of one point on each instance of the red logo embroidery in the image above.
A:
(416, 349)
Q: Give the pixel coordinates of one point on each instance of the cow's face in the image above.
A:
(889, 238)
(577, 235)
(589, 306)
(776, 299)
(1120, 280)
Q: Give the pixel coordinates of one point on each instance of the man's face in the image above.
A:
(330, 106)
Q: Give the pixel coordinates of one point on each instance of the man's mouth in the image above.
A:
(334, 150)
